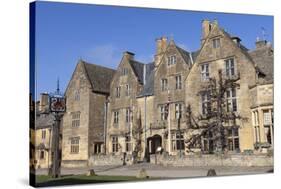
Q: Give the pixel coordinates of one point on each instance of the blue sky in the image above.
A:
(66, 32)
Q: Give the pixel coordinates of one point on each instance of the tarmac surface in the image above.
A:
(162, 171)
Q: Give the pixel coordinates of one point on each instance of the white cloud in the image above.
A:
(106, 55)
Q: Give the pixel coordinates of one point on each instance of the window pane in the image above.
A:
(236, 143)
(266, 118)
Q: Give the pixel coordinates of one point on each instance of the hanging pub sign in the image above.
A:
(57, 104)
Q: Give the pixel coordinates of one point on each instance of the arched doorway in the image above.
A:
(153, 143)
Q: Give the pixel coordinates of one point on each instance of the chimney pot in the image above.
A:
(261, 44)
(44, 102)
(161, 45)
(129, 55)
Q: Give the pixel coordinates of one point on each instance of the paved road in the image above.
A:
(161, 171)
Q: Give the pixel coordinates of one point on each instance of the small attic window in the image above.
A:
(125, 71)
(77, 95)
(216, 43)
(172, 60)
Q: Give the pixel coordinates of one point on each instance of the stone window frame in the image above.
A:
(268, 125)
(97, 148)
(115, 144)
(178, 82)
(128, 90)
(208, 142)
(205, 102)
(128, 143)
(163, 112)
(231, 100)
(118, 92)
(230, 67)
(77, 95)
(216, 42)
(172, 60)
(125, 71)
(233, 141)
(164, 84)
(178, 110)
(116, 117)
(177, 141)
(257, 130)
(43, 134)
(75, 116)
(74, 145)
(41, 154)
(205, 71)
(128, 115)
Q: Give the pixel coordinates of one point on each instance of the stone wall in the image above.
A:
(102, 160)
(214, 160)
(244, 70)
(78, 84)
(74, 163)
(122, 104)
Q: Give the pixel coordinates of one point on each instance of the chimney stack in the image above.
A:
(260, 43)
(206, 28)
(44, 102)
(129, 55)
(236, 40)
(161, 45)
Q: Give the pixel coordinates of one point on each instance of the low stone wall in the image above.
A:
(74, 163)
(101, 160)
(213, 160)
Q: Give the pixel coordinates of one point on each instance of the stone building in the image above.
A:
(163, 98)
(251, 97)
(123, 134)
(144, 108)
(42, 133)
(84, 119)
(262, 97)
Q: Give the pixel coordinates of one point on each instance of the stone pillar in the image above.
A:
(169, 129)
(254, 126)
(262, 134)
(271, 129)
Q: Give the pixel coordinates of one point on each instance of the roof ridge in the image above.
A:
(182, 49)
(138, 62)
(97, 65)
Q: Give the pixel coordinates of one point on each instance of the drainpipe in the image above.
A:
(191, 59)
(145, 150)
(144, 82)
(105, 124)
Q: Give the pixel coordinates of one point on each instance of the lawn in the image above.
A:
(44, 180)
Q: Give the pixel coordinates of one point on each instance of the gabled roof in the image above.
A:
(138, 69)
(44, 121)
(263, 57)
(99, 77)
(148, 88)
(245, 51)
(187, 56)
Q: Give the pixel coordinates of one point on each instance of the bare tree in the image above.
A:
(216, 114)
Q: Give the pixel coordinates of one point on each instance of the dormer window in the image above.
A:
(172, 60)
(216, 43)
